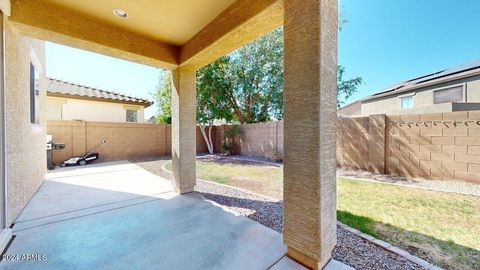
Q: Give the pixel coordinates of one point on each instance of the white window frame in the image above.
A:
(464, 89)
(407, 95)
(136, 115)
(35, 61)
(132, 108)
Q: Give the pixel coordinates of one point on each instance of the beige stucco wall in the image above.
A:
(473, 91)
(351, 109)
(26, 162)
(91, 110)
(423, 100)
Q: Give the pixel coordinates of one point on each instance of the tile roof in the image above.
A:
(64, 88)
(450, 73)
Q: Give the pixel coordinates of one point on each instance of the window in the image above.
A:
(451, 94)
(131, 115)
(34, 96)
(406, 102)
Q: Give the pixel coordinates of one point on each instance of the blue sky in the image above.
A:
(387, 41)
(384, 42)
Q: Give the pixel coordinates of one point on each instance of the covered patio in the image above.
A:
(183, 36)
(116, 215)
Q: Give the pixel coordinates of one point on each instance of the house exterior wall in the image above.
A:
(26, 161)
(90, 110)
(351, 109)
(423, 100)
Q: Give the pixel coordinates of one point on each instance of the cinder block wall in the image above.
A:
(352, 142)
(438, 146)
(261, 140)
(124, 140)
(361, 143)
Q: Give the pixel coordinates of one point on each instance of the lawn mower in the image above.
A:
(82, 160)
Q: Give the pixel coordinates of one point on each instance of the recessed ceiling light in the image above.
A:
(120, 13)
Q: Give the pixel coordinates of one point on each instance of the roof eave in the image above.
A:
(457, 76)
(139, 103)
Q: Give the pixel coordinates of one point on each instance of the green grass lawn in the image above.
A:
(443, 228)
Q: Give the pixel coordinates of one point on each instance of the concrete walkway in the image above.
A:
(118, 216)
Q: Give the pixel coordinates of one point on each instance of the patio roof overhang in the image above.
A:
(144, 37)
(197, 32)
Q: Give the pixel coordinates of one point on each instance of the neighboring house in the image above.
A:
(354, 108)
(454, 89)
(67, 101)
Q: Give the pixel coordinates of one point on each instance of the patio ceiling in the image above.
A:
(173, 22)
(160, 33)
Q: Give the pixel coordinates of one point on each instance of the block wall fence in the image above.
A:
(443, 146)
(124, 140)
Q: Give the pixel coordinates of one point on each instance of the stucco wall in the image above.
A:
(91, 110)
(26, 162)
(423, 100)
(352, 109)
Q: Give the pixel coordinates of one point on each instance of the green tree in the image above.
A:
(245, 86)
(345, 88)
(212, 84)
(256, 76)
(252, 80)
(163, 97)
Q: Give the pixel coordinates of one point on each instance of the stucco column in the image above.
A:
(183, 129)
(310, 29)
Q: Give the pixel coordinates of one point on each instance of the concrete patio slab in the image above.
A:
(288, 264)
(74, 188)
(119, 216)
(336, 265)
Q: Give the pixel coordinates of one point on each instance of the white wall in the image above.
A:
(90, 110)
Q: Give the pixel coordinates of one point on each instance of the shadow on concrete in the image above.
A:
(76, 223)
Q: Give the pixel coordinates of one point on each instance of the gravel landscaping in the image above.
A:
(351, 249)
(438, 185)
